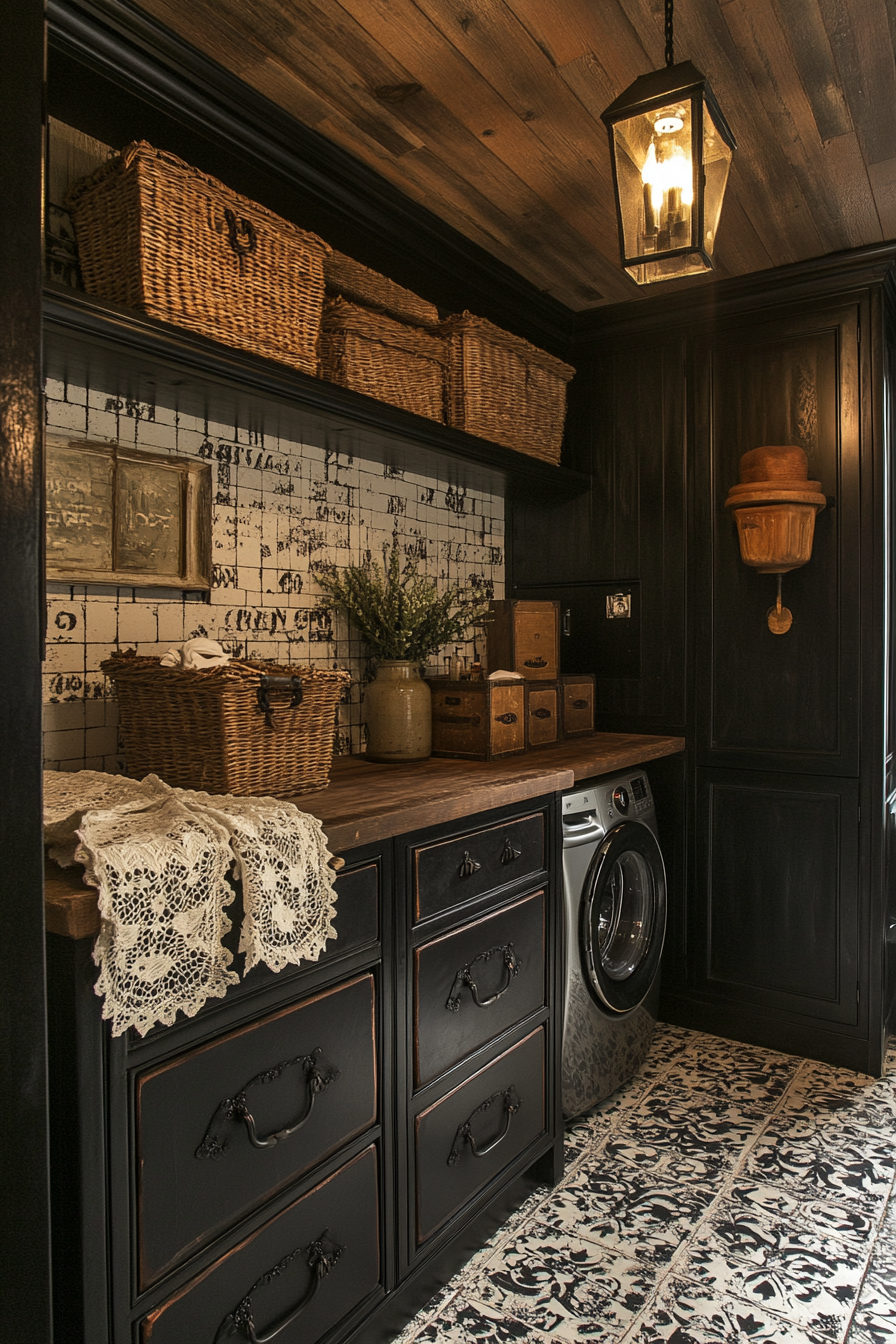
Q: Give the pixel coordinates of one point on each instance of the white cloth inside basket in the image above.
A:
(159, 858)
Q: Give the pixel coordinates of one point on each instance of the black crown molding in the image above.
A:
(710, 303)
(132, 51)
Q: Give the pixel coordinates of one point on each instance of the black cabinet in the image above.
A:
(283, 1161)
(480, 1015)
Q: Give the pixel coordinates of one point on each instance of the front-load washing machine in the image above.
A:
(614, 886)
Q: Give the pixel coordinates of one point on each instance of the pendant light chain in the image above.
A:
(670, 53)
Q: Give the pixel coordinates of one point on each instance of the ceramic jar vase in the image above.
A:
(399, 714)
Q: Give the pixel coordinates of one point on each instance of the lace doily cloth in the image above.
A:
(158, 857)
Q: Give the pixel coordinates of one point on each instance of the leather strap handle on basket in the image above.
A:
(464, 1133)
(265, 684)
(322, 1255)
(464, 977)
(237, 1107)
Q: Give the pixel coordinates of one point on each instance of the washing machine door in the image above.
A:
(623, 917)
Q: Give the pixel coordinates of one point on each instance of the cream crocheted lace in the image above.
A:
(68, 795)
(160, 872)
(289, 891)
(158, 857)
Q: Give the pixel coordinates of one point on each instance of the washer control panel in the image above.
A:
(614, 801)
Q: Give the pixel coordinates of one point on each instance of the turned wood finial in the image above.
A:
(775, 505)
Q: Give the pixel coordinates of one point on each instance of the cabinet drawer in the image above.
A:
(470, 1135)
(223, 1127)
(322, 1251)
(452, 872)
(357, 908)
(577, 704)
(474, 983)
(524, 636)
(542, 714)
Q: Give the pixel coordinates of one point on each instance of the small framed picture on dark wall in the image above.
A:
(119, 516)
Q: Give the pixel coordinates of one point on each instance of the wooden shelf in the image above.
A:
(102, 345)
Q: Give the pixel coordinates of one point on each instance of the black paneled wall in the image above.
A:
(776, 819)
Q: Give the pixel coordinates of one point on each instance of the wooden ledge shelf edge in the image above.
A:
(148, 360)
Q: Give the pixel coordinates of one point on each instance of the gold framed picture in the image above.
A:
(119, 516)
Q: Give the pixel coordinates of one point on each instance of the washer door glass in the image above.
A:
(623, 917)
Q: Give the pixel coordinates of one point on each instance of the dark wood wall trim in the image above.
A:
(350, 205)
(25, 1228)
(715, 301)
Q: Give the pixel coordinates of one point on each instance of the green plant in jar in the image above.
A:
(399, 612)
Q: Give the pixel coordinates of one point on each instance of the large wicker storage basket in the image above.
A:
(160, 236)
(504, 389)
(371, 353)
(348, 279)
(206, 730)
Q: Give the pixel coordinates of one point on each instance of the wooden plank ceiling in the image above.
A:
(488, 113)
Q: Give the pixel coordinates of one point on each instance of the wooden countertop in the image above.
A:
(367, 802)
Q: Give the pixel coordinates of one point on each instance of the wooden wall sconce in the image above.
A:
(775, 506)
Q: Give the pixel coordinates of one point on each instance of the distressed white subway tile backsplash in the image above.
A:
(282, 510)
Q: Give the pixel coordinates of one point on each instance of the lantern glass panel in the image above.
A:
(658, 188)
(716, 163)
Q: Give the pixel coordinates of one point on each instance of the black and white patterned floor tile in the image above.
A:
(688, 1313)
(725, 1195)
(565, 1286)
(627, 1210)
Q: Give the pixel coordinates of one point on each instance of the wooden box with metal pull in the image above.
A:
(542, 713)
(478, 720)
(577, 704)
(524, 637)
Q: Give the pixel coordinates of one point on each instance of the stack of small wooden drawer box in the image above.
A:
(484, 720)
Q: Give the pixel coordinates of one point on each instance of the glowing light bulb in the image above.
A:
(663, 174)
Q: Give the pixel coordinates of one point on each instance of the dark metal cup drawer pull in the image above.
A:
(541, 713)
(535, 662)
(509, 717)
(508, 853)
(237, 1107)
(512, 967)
(322, 1256)
(469, 866)
(580, 704)
(464, 1133)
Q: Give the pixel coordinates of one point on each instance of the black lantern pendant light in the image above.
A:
(671, 149)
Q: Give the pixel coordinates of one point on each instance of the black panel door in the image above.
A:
(778, 866)
(780, 701)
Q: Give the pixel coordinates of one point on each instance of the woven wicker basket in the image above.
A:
(504, 389)
(157, 235)
(371, 353)
(348, 279)
(206, 730)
